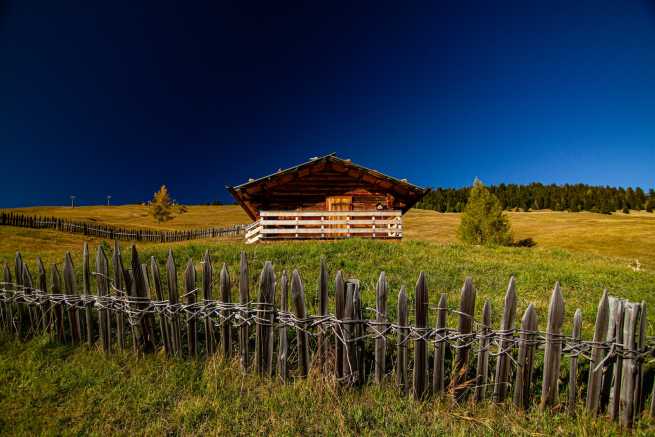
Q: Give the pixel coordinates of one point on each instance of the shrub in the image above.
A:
(483, 220)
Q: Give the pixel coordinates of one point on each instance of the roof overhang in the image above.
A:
(409, 193)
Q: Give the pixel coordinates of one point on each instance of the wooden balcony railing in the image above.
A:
(283, 225)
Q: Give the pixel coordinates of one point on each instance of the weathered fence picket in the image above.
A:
(244, 298)
(298, 298)
(501, 387)
(597, 354)
(573, 368)
(226, 326)
(421, 345)
(527, 346)
(403, 331)
(465, 327)
(207, 277)
(439, 374)
(283, 343)
(482, 369)
(190, 295)
(553, 353)
(381, 292)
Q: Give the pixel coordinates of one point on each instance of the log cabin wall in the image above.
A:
(310, 185)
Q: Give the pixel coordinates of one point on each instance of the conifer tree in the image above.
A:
(161, 206)
(483, 220)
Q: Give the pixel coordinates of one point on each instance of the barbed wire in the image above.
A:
(496, 342)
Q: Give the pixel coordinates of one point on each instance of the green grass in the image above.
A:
(62, 390)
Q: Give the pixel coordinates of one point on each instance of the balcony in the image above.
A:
(328, 225)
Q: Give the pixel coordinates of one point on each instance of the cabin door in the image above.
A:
(338, 203)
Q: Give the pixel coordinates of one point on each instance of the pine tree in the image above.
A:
(161, 205)
(483, 220)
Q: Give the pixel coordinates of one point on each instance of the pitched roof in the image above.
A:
(401, 187)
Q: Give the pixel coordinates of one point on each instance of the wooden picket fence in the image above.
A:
(148, 310)
(111, 232)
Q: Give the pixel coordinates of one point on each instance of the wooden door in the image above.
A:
(338, 203)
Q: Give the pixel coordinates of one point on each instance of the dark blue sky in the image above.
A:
(119, 99)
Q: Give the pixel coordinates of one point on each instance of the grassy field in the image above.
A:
(196, 216)
(83, 391)
(628, 236)
(62, 390)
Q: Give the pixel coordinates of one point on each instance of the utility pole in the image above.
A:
(73, 201)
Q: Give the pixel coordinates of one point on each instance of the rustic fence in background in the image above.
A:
(115, 232)
(147, 309)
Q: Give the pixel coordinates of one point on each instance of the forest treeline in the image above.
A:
(535, 196)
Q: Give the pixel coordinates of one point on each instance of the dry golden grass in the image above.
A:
(197, 216)
(629, 236)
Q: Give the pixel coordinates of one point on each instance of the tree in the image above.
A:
(483, 220)
(161, 207)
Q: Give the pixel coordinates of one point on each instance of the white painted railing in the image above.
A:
(325, 224)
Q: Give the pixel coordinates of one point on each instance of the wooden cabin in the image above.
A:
(326, 197)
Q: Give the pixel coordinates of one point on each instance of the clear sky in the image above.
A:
(114, 98)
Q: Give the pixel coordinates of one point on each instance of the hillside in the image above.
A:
(627, 236)
(84, 391)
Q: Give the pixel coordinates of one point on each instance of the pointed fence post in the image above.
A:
(265, 318)
(482, 370)
(88, 310)
(28, 288)
(439, 375)
(615, 395)
(18, 286)
(298, 297)
(465, 328)
(102, 284)
(69, 286)
(10, 306)
(639, 361)
(159, 294)
(121, 291)
(420, 348)
(573, 372)
(403, 331)
(145, 338)
(44, 312)
(244, 300)
(596, 375)
(58, 310)
(350, 370)
(339, 345)
(226, 325)
(323, 311)
(358, 316)
(283, 345)
(501, 387)
(553, 353)
(381, 326)
(527, 345)
(190, 293)
(629, 364)
(207, 274)
(174, 301)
